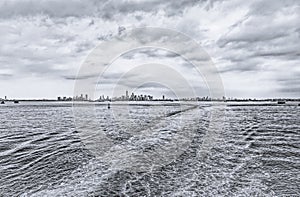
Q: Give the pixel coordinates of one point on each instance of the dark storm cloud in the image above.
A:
(82, 8)
(104, 78)
(293, 89)
(83, 77)
(150, 85)
(158, 53)
(111, 78)
(170, 7)
(150, 53)
(22, 67)
(265, 21)
(242, 66)
(265, 42)
(250, 37)
(52, 8)
(269, 30)
(6, 76)
(265, 7)
(289, 83)
(290, 78)
(293, 55)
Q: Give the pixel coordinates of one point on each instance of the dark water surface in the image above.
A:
(256, 152)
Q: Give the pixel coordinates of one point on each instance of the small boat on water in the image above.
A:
(281, 102)
(15, 101)
(2, 102)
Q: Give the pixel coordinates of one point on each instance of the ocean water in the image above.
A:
(149, 149)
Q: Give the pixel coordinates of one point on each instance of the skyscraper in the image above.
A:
(127, 96)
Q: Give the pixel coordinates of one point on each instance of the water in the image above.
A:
(255, 151)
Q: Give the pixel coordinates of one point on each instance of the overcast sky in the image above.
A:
(255, 45)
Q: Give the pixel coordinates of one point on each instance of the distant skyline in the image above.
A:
(253, 44)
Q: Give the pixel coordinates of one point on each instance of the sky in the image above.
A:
(253, 44)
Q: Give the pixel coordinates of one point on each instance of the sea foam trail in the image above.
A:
(152, 147)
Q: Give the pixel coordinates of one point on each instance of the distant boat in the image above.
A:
(281, 102)
(16, 101)
(2, 102)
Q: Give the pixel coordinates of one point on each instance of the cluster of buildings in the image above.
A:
(81, 98)
(64, 98)
(5, 98)
(126, 97)
(76, 98)
(133, 97)
(103, 98)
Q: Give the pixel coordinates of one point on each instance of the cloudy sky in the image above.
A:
(254, 44)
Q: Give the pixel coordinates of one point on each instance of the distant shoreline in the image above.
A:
(156, 100)
(233, 103)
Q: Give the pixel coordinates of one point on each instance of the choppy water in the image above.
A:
(256, 152)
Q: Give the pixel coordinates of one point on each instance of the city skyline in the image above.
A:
(146, 97)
